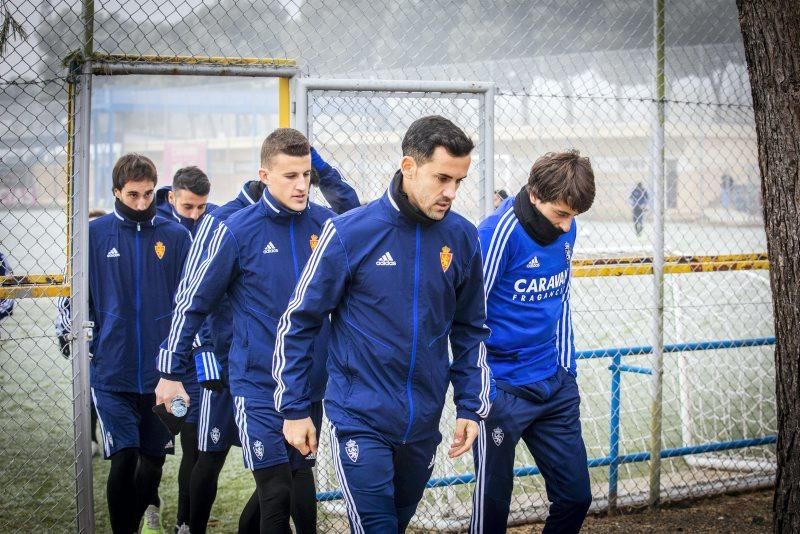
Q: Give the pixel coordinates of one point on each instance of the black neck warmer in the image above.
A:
(256, 189)
(413, 213)
(533, 222)
(137, 216)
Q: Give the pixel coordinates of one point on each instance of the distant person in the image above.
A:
(63, 331)
(638, 200)
(725, 191)
(499, 196)
(6, 305)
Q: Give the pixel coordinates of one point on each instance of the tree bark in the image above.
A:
(771, 31)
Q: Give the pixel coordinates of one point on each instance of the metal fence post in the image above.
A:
(658, 259)
(81, 328)
(613, 434)
(487, 118)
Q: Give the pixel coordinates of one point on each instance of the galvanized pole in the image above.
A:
(658, 259)
(487, 132)
(81, 327)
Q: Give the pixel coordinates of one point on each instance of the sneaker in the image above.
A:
(183, 529)
(95, 449)
(152, 520)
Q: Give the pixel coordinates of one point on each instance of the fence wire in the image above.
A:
(569, 74)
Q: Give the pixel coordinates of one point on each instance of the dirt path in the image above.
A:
(747, 513)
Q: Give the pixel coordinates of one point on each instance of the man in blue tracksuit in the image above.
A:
(217, 430)
(399, 277)
(255, 256)
(527, 245)
(186, 202)
(135, 261)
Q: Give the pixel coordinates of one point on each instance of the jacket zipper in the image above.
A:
(294, 253)
(137, 278)
(415, 327)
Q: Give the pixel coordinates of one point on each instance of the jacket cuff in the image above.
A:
(462, 413)
(171, 364)
(295, 413)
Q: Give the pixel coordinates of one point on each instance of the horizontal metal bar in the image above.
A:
(755, 256)
(31, 279)
(466, 478)
(420, 86)
(193, 69)
(34, 291)
(633, 369)
(676, 347)
(216, 60)
(669, 268)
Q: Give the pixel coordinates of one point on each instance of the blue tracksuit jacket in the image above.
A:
(134, 269)
(527, 300)
(166, 210)
(256, 256)
(396, 291)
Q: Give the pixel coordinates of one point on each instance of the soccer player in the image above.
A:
(217, 430)
(135, 261)
(399, 276)
(255, 256)
(527, 245)
(186, 202)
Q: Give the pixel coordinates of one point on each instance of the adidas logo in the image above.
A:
(533, 263)
(112, 253)
(270, 248)
(385, 260)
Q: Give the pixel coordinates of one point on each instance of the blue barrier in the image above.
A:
(614, 459)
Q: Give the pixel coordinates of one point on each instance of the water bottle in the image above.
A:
(178, 407)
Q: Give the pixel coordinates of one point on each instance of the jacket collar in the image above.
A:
(124, 221)
(274, 209)
(244, 194)
(400, 206)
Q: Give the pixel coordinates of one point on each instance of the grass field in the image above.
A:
(720, 395)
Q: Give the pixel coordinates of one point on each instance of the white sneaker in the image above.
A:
(183, 529)
(95, 449)
(152, 520)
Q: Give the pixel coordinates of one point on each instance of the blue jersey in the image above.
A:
(527, 300)
(134, 269)
(397, 291)
(256, 256)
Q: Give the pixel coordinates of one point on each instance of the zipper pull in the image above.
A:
(138, 227)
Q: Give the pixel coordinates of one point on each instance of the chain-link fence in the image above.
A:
(572, 74)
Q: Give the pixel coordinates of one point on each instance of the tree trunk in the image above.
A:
(771, 30)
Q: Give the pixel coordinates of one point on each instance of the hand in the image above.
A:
(166, 390)
(63, 343)
(301, 434)
(466, 432)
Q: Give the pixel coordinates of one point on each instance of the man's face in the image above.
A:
(288, 179)
(432, 186)
(558, 213)
(136, 195)
(187, 204)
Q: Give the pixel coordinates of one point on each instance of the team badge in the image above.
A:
(351, 448)
(314, 241)
(215, 435)
(109, 440)
(497, 436)
(258, 448)
(445, 258)
(160, 249)
(567, 251)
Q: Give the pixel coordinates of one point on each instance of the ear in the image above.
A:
(171, 197)
(263, 175)
(117, 193)
(408, 166)
(532, 197)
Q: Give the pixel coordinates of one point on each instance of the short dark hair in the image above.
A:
(502, 193)
(133, 168)
(425, 134)
(191, 179)
(284, 141)
(563, 177)
(94, 213)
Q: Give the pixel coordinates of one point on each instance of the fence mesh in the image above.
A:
(571, 74)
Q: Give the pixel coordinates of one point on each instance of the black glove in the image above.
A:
(217, 384)
(63, 343)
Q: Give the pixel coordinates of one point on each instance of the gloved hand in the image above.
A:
(63, 343)
(319, 164)
(209, 371)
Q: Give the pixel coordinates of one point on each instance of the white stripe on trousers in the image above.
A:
(205, 418)
(350, 503)
(241, 424)
(106, 446)
(476, 522)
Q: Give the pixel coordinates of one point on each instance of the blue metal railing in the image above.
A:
(614, 459)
